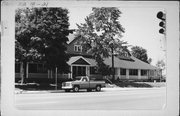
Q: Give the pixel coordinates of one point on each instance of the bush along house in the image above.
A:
(81, 63)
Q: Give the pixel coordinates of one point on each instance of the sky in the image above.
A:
(141, 28)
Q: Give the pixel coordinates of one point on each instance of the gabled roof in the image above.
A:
(71, 38)
(90, 61)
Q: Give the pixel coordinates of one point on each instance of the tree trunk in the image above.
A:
(113, 76)
(21, 73)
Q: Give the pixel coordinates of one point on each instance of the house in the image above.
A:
(82, 63)
(126, 67)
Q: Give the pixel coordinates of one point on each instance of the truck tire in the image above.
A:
(98, 88)
(76, 88)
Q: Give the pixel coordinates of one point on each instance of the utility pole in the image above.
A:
(56, 79)
(112, 55)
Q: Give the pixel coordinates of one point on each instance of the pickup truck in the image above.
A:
(82, 82)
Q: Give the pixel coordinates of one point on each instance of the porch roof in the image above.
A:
(118, 63)
(136, 64)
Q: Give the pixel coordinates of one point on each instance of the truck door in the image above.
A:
(85, 83)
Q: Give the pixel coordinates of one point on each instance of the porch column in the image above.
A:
(27, 70)
(70, 74)
(21, 70)
(127, 73)
(76, 68)
(48, 73)
(119, 72)
(87, 71)
(139, 73)
(51, 73)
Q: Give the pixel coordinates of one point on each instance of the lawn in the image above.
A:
(140, 84)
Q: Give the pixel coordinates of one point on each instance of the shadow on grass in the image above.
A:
(132, 84)
(42, 86)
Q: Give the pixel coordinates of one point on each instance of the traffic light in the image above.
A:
(162, 24)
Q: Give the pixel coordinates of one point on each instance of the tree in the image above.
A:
(101, 34)
(41, 35)
(149, 60)
(141, 54)
(160, 64)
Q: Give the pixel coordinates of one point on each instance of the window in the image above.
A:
(123, 71)
(143, 72)
(84, 79)
(133, 72)
(125, 54)
(78, 48)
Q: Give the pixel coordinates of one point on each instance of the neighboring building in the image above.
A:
(82, 63)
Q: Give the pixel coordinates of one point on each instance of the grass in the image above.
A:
(140, 84)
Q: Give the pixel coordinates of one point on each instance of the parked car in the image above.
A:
(83, 82)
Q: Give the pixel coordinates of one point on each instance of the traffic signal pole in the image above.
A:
(162, 16)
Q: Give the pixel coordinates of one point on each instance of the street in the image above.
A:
(131, 99)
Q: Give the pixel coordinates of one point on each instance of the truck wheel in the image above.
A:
(98, 88)
(76, 89)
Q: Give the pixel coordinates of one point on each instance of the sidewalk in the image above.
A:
(19, 91)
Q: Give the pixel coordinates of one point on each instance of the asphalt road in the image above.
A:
(112, 99)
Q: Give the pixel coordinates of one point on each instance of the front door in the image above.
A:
(79, 71)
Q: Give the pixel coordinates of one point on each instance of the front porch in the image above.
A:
(80, 66)
(135, 74)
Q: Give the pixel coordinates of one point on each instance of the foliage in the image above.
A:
(25, 43)
(41, 35)
(160, 64)
(141, 54)
(149, 60)
(101, 33)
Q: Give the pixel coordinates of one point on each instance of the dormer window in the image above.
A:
(77, 48)
(126, 55)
